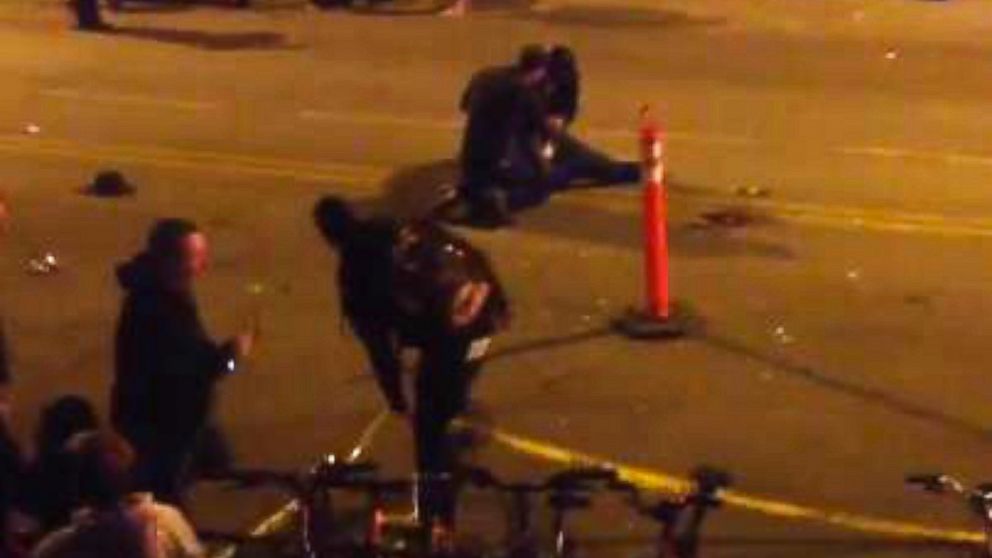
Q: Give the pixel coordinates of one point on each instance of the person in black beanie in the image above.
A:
(414, 284)
(166, 366)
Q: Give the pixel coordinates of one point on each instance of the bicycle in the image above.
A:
(978, 499)
(566, 491)
(318, 535)
(669, 512)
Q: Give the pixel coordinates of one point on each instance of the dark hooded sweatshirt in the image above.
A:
(166, 365)
(397, 282)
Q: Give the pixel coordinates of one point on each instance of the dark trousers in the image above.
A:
(168, 459)
(88, 14)
(443, 385)
(524, 184)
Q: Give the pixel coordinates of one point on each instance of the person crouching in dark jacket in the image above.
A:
(166, 365)
(414, 284)
(502, 168)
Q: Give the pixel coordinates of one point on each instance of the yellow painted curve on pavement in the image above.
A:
(663, 482)
(666, 483)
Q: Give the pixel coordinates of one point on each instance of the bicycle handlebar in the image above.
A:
(936, 482)
(576, 479)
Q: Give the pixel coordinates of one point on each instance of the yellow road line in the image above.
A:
(367, 177)
(455, 124)
(947, 157)
(663, 482)
(282, 517)
(197, 160)
(830, 216)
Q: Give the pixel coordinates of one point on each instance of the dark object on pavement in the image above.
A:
(110, 184)
(731, 217)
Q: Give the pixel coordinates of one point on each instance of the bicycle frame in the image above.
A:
(978, 499)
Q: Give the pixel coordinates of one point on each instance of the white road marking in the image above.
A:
(126, 99)
(947, 157)
(455, 124)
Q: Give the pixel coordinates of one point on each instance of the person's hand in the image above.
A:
(244, 344)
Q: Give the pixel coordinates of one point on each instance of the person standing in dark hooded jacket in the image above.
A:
(166, 364)
(414, 284)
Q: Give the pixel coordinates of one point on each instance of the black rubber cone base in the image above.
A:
(637, 324)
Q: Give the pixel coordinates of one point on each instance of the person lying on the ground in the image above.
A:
(112, 520)
(416, 285)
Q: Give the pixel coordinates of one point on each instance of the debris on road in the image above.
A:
(853, 274)
(43, 264)
(782, 336)
(256, 288)
(752, 192)
(892, 54)
(730, 217)
(32, 129)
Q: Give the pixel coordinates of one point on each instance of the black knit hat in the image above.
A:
(110, 184)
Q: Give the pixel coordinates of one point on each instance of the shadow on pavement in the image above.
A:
(207, 40)
(622, 229)
(548, 343)
(868, 394)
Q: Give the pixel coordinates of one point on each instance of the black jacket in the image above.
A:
(166, 365)
(397, 283)
(561, 95)
(502, 111)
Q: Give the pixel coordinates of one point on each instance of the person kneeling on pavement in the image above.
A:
(502, 167)
(517, 150)
(414, 284)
